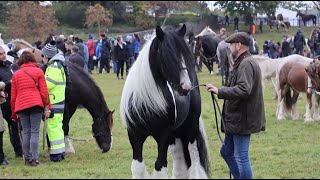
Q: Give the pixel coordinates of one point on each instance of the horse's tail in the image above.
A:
(288, 101)
(202, 142)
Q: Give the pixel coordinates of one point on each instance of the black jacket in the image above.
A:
(105, 48)
(6, 74)
(121, 53)
(285, 48)
(243, 108)
(77, 59)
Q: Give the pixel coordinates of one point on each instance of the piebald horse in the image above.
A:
(161, 98)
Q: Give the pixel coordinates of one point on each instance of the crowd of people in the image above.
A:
(101, 52)
(25, 113)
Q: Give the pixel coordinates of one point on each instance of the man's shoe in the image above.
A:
(27, 162)
(35, 163)
(4, 162)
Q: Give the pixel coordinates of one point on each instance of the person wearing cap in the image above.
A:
(56, 79)
(6, 73)
(243, 109)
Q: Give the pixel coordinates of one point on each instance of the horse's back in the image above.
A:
(294, 58)
(294, 74)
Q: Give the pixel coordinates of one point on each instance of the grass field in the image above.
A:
(287, 149)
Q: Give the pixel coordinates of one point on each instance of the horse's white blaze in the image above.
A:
(162, 174)
(180, 168)
(142, 88)
(196, 171)
(184, 77)
(139, 170)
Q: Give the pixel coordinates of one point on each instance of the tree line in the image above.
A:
(29, 19)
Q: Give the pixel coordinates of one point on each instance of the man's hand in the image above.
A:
(212, 88)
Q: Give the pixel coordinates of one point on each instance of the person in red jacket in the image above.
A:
(29, 97)
(90, 45)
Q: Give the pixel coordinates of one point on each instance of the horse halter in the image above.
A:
(99, 120)
(201, 54)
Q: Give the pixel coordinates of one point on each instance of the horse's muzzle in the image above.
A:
(105, 147)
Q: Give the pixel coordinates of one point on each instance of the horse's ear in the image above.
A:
(159, 33)
(112, 111)
(183, 30)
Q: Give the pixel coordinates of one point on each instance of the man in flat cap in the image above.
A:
(243, 109)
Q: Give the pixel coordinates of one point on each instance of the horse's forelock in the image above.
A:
(169, 53)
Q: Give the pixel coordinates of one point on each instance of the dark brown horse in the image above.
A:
(280, 17)
(293, 76)
(307, 17)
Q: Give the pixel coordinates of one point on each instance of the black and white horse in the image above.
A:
(161, 99)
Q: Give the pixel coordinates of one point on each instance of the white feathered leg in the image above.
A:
(139, 170)
(196, 171)
(180, 168)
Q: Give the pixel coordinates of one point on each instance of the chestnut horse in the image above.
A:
(293, 76)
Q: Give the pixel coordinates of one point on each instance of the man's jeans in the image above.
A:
(235, 151)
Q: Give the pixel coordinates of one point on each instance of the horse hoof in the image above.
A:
(308, 120)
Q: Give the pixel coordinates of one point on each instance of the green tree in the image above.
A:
(5, 7)
(70, 13)
(248, 7)
(293, 5)
(139, 17)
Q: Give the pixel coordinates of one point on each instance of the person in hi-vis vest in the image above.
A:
(56, 82)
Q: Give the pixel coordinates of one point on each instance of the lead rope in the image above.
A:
(215, 103)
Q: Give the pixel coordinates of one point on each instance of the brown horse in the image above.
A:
(293, 76)
(19, 45)
(307, 17)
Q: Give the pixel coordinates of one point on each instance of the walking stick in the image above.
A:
(46, 120)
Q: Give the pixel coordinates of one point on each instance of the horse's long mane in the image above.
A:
(141, 89)
(18, 42)
(81, 74)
